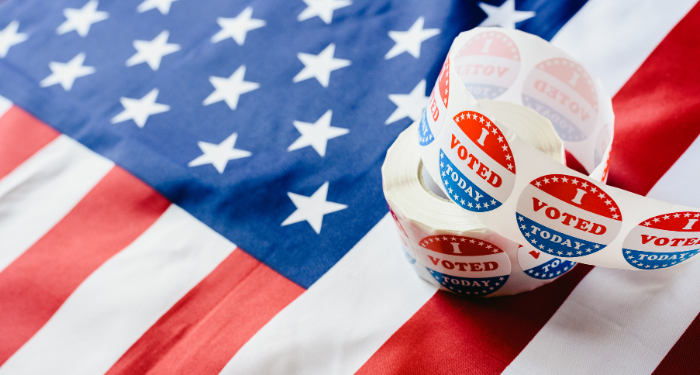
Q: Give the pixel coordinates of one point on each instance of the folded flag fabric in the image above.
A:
(194, 187)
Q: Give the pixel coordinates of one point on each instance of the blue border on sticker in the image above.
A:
(425, 136)
(483, 91)
(468, 196)
(565, 128)
(566, 245)
(469, 286)
(650, 260)
(551, 269)
(408, 256)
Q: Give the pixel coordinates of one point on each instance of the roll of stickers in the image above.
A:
(446, 244)
(521, 193)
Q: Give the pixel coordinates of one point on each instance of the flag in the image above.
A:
(194, 187)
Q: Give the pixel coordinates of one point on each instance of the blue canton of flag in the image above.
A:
(268, 121)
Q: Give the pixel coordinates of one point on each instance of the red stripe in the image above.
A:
(201, 333)
(683, 358)
(21, 135)
(451, 335)
(657, 112)
(114, 213)
(574, 164)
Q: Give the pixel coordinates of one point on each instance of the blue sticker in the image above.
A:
(551, 269)
(646, 260)
(663, 241)
(566, 130)
(408, 256)
(483, 91)
(462, 191)
(482, 286)
(425, 136)
(554, 242)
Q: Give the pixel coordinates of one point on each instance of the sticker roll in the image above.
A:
(448, 246)
(518, 191)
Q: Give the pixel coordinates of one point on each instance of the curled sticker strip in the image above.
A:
(520, 193)
(446, 245)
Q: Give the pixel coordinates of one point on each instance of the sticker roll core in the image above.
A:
(489, 169)
(447, 245)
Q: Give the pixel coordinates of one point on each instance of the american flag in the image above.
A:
(194, 187)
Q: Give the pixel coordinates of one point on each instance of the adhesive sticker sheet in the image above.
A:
(524, 195)
(446, 245)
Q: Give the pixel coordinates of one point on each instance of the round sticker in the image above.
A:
(465, 265)
(476, 164)
(567, 216)
(562, 91)
(434, 115)
(404, 239)
(663, 241)
(542, 266)
(488, 64)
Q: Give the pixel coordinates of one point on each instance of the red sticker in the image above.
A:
(476, 163)
(567, 216)
(663, 241)
(398, 224)
(434, 116)
(563, 91)
(579, 193)
(488, 137)
(465, 265)
(408, 251)
(444, 81)
(488, 64)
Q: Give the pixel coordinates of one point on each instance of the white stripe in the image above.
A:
(615, 322)
(42, 190)
(5, 105)
(680, 183)
(613, 38)
(113, 307)
(343, 318)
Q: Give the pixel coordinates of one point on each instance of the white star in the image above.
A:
(81, 19)
(9, 37)
(219, 155)
(66, 73)
(236, 28)
(139, 109)
(322, 8)
(151, 52)
(230, 89)
(504, 16)
(319, 66)
(317, 134)
(162, 5)
(410, 105)
(410, 41)
(313, 208)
